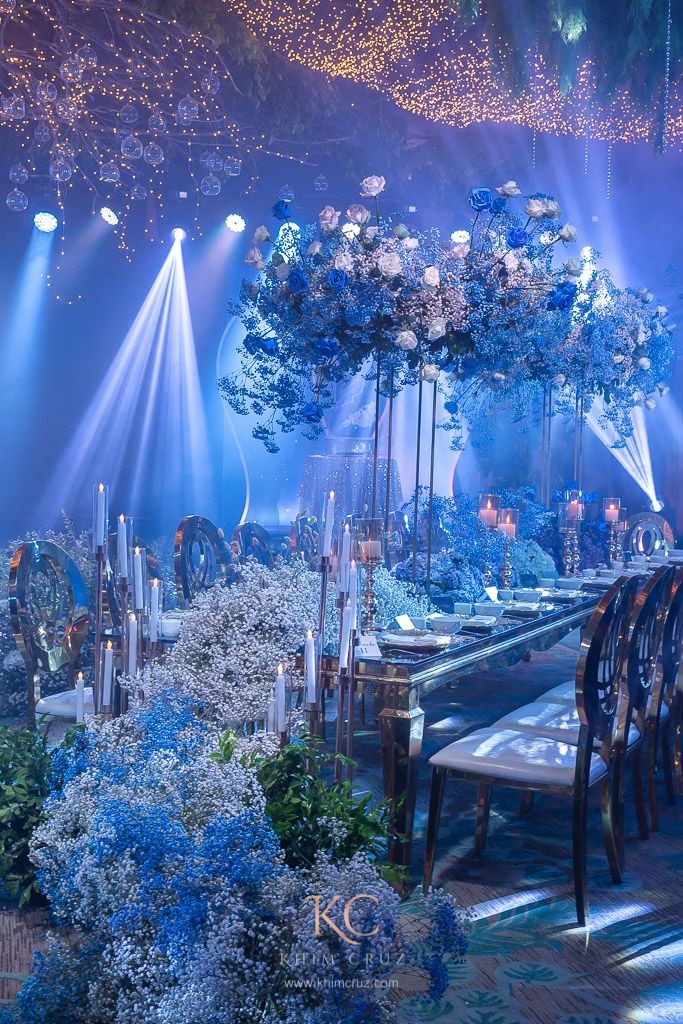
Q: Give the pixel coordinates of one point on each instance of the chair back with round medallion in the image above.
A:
(669, 663)
(645, 638)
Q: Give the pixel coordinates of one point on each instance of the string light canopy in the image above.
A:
(465, 63)
(98, 93)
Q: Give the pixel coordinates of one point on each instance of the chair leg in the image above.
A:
(651, 768)
(617, 788)
(435, 804)
(639, 794)
(482, 824)
(526, 802)
(609, 834)
(580, 855)
(676, 717)
(667, 761)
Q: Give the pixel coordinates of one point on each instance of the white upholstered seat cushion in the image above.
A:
(63, 705)
(516, 757)
(565, 693)
(558, 721)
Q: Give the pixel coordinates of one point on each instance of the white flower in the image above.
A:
(643, 334)
(619, 358)
(406, 340)
(254, 258)
(373, 185)
(644, 363)
(662, 310)
(430, 277)
(568, 233)
(329, 219)
(510, 262)
(650, 403)
(358, 214)
(350, 231)
(282, 271)
(552, 209)
(436, 328)
(430, 372)
(314, 248)
(410, 244)
(663, 389)
(559, 380)
(389, 264)
(535, 208)
(371, 232)
(261, 234)
(573, 267)
(645, 295)
(343, 261)
(458, 252)
(509, 188)
(460, 237)
(546, 238)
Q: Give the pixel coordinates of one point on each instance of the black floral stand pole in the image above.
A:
(430, 511)
(416, 510)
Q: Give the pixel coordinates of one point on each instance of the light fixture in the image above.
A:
(179, 234)
(657, 505)
(45, 222)
(108, 216)
(234, 222)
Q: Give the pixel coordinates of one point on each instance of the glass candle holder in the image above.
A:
(507, 522)
(489, 506)
(611, 508)
(370, 541)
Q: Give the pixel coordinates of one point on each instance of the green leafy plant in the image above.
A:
(25, 763)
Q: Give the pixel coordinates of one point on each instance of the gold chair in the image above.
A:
(531, 762)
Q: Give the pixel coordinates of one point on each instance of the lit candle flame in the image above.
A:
(488, 503)
(332, 494)
(80, 677)
(109, 645)
(100, 488)
(347, 528)
(309, 634)
(155, 583)
(137, 551)
(280, 669)
(122, 518)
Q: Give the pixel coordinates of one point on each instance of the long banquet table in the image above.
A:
(401, 681)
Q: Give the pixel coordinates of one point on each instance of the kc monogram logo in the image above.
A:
(322, 915)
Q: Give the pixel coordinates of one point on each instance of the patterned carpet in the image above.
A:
(528, 962)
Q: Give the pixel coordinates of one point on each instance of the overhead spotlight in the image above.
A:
(234, 222)
(657, 505)
(179, 234)
(108, 216)
(45, 222)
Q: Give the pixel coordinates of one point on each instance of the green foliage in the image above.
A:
(24, 784)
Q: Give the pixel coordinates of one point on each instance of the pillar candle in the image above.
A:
(99, 516)
(132, 645)
(270, 714)
(344, 559)
(107, 674)
(353, 593)
(281, 711)
(310, 660)
(154, 612)
(137, 576)
(80, 699)
(612, 513)
(347, 620)
(329, 523)
(122, 548)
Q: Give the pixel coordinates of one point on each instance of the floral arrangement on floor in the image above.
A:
(491, 314)
(181, 905)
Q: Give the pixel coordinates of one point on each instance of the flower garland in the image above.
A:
(489, 315)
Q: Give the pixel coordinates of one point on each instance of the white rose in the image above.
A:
(430, 278)
(373, 185)
(644, 363)
(410, 244)
(430, 372)
(510, 262)
(525, 265)
(389, 264)
(314, 248)
(329, 219)
(282, 271)
(552, 209)
(406, 340)
(358, 214)
(261, 234)
(535, 208)
(372, 232)
(568, 233)
(254, 258)
(546, 238)
(350, 231)
(573, 267)
(436, 328)
(559, 380)
(343, 261)
(509, 188)
(458, 252)
(662, 310)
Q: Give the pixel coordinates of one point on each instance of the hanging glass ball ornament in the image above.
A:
(18, 174)
(210, 185)
(41, 132)
(131, 147)
(128, 114)
(14, 107)
(46, 92)
(205, 157)
(67, 110)
(210, 84)
(72, 69)
(88, 55)
(153, 154)
(232, 166)
(157, 122)
(138, 193)
(215, 163)
(60, 169)
(110, 172)
(320, 184)
(66, 150)
(16, 200)
(188, 110)
(6, 7)
(286, 194)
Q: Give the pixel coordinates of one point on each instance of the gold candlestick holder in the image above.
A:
(371, 553)
(507, 524)
(569, 516)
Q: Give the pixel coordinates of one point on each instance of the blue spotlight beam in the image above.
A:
(635, 455)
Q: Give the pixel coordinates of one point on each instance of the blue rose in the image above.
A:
(499, 204)
(281, 210)
(563, 296)
(326, 348)
(468, 366)
(517, 238)
(254, 343)
(311, 412)
(337, 280)
(297, 281)
(481, 199)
